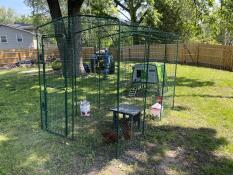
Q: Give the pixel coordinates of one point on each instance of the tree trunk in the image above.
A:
(74, 45)
(74, 8)
(133, 17)
(59, 27)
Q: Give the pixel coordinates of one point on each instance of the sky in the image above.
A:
(17, 5)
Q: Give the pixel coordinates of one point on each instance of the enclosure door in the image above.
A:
(55, 105)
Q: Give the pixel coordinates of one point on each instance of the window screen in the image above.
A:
(3, 39)
(19, 38)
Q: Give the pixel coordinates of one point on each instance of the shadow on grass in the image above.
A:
(179, 149)
(180, 108)
(193, 83)
(163, 150)
(205, 96)
(169, 150)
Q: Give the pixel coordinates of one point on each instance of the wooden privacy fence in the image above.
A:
(12, 56)
(214, 56)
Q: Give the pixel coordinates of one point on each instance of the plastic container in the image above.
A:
(156, 109)
(85, 108)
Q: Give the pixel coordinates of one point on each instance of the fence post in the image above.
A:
(19, 56)
(231, 60)
(129, 54)
(222, 55)
(197, 54)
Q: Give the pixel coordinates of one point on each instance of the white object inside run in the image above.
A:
(156, 109)
(85, 108)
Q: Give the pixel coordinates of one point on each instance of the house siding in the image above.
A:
(12, 42)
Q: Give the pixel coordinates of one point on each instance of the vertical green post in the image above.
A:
(65, 59)
(99, 95)
(118, 86)
(71, 45)
(174, 86)
(75, 79)
(74, 85)
(147, 71)
(99, 43)
(45, 85)
(39, 74)
(144, 99)
(164, 74)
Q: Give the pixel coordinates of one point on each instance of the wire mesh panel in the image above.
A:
(79, 83)
(97, 88)
(147, 80)
(101, 80)
(57, 77)
(55, 87)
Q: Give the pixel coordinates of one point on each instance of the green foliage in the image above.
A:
(100, 7)
(183, 17)
(225, 13)
(38, 6)
(40, 11)
(139, 11)
(7, 15)
(198, 20)
(25, 19)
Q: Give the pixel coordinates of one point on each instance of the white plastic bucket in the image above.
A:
(156, 109)
(85, 108)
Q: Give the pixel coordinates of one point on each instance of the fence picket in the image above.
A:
(215, 56)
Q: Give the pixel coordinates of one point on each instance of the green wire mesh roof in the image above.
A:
(105, 27)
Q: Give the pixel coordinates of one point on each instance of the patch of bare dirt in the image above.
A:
(172, 163)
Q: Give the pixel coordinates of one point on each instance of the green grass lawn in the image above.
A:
(195, 138)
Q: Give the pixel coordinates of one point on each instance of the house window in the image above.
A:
(3, 39)
(19, 38)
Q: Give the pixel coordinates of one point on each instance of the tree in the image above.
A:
(56, 9)
(137, 12)
(185, 17)
(100, 7)
(7, 15)
(226, 22)
(200, 20)
(74, 9)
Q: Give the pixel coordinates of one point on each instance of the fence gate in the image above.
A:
(56, 87)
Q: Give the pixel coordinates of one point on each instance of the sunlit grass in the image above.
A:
(3, 138)
(199, 130)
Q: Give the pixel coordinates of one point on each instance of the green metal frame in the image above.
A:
(119, 34)
(45, 106)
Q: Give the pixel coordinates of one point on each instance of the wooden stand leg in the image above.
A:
(131, 117)
(139, 120)
(115, 120)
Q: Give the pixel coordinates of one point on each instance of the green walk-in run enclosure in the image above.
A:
(101, 80)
